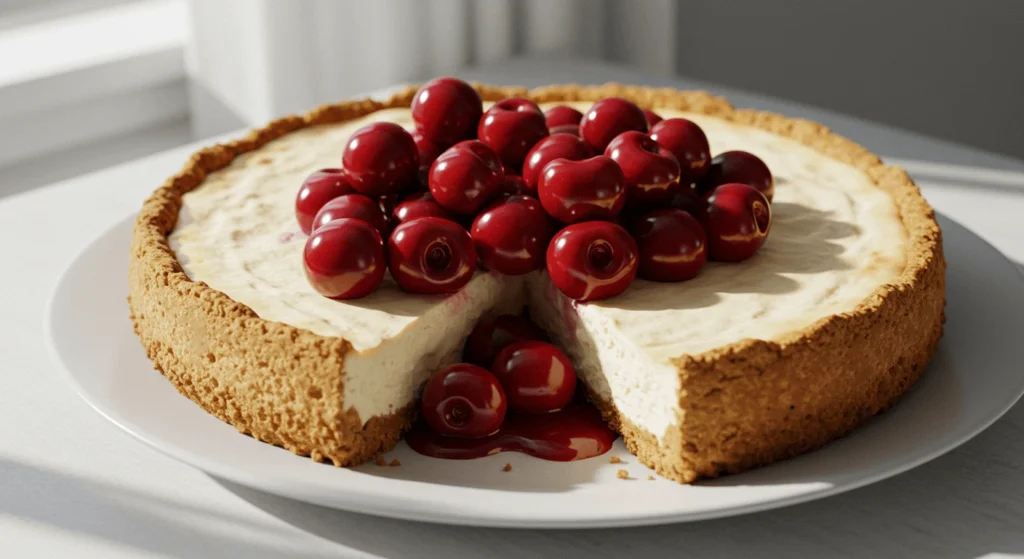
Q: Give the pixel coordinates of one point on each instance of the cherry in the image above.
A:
(608, 118)
(511, 127)
(428, 152)
(345, 259)
(319, 188)
(431, 255)
(687, 199)
(652, 118)
(421, 204)
(738, 219)
(592, 260)
(380, 158)
(574, 191)
(562, 115)
(556, 146)
(491, 336)
(742, 167)
(573, 129)
(672, 243)
(446, 111)
(537, 377)
(355, 206)
(512, 185)
(465, 177)
(511, 236)
(651, 171)
(688, 143)
(463, 400)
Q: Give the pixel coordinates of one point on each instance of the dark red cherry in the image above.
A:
(421, 204)
(465, 177)
(652, 118)
(651, 171)
(572, 129)
(592, 260)
(737, 220)
(319, 188)
(688, 143)
(428, 153)
(742, 167)
(511, 127)
(608, 118)
(562, 115)
(355, 206)
(556, 146)
(687, 199)
(446, 111)
(431, 255)
(511, 236)
(574, 191)
(672, 243)
(537, 377)
(463, 400)
(493, 335)
(345, 259)
(512, 185)
(380, 158)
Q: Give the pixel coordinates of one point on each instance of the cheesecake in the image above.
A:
(748, 363)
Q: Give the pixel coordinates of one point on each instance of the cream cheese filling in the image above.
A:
(835, 238)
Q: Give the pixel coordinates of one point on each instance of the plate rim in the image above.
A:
(364, 504)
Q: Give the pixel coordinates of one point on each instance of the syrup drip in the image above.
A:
(573, 433)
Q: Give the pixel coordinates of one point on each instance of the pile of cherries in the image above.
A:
(510, 367)
(596, 198)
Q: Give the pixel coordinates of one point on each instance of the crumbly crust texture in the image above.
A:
(744, 405)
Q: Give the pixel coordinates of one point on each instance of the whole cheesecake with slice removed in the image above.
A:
(748, 363)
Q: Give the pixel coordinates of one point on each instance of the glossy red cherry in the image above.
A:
(319, 188)
(345, 259)
(651, 171)
(465, 177)
(562, 115)
(688, 143)
(511, 236)
(537, 377)
(556, 146)
(463, 400)
(491, 336)
(574, 191)
(608, 118)
(652, 117)
(446, 111)
(355, 206)
(739, 166)
(737, 220)
(431, 255)
(672, 243)
(572, 129)
(512, 185)
(428, 152)
(421, 204)
(380, 158)
(511, 127)
(592, 260)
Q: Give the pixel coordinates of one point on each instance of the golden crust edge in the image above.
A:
(331, 433)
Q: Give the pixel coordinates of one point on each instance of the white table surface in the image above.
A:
(74, 485)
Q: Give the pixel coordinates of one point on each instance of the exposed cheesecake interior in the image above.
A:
(835, 238)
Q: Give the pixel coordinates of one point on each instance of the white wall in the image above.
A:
(948, 68)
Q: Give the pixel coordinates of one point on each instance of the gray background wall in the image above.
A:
(948, 68)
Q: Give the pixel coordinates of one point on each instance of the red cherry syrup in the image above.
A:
(575, 432)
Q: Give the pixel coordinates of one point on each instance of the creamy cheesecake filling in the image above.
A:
(835, 238)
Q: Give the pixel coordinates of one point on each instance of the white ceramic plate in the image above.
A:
(975, 377)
